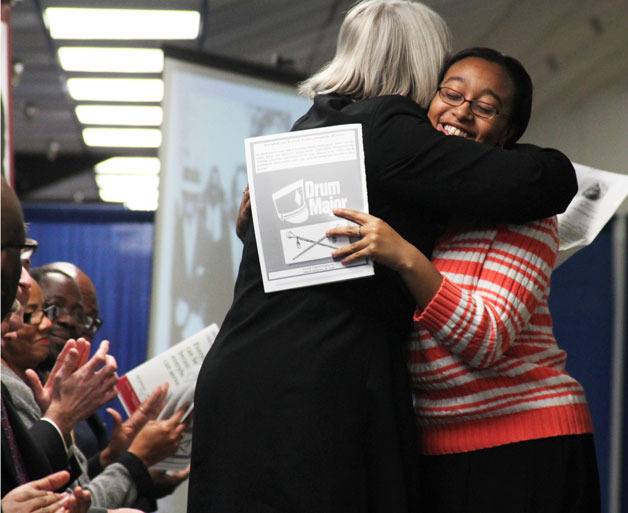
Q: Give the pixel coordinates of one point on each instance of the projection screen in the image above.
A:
(211, 104)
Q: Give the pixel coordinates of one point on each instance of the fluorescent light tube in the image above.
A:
(119, 115)
(116, 89)
(136, 192)
(111, 60)
(129, 165)
(85, 23)
(143, 202)
(122, 186)
(122, 137)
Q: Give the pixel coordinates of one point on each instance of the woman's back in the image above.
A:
(325, 377)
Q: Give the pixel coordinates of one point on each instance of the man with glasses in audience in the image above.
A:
(165, 483)
(60, 291)
(91, 313)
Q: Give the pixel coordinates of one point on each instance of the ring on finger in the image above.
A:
(359, 231)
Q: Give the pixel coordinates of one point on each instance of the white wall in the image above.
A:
(594, 133)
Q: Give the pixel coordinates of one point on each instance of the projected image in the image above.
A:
(203, 244)
(208, 114)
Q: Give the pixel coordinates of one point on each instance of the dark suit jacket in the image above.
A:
(303, 404)
(34, 445)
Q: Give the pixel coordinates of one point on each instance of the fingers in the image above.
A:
(153, 405)
(48, 502)
(70, 344)
(363, 253)
(149, 409)
(68, 348)
(83, 497)
(69, 365)
(174, 478)
(35, 383)
(162, 402)
(105, 378)
(352, 215)
(116, 417)
(178, 431)
(99, 358)
(52, 481)
(345, 231)
(349, 249)
(83, 346)
(109, 367)
(182, 474)
(109, 395)
(177, 416)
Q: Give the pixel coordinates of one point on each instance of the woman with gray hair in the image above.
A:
(303, 404)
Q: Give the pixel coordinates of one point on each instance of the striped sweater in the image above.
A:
(485, 367)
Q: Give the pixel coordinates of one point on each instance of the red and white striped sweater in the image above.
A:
(484, 363)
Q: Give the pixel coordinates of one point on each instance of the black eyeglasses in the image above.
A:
(27, 252)
(91, 323)
(75, 313)
(28, 245)
(34, 318)
(455, 99)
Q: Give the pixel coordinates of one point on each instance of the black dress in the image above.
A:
(302, 404)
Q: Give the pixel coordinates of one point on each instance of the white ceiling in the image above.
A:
(570, 47)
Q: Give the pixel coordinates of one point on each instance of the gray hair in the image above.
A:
(385, 47)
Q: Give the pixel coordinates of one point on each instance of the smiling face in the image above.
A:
(61, 290)
(30, 346)
(477, 80)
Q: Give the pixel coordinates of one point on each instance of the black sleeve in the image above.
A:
(50, 441)
(93, 466)
(143, 482)
(461, 178)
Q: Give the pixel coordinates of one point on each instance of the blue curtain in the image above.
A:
(114, 247)
(581, 302)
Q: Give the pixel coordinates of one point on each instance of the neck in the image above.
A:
(15, 368)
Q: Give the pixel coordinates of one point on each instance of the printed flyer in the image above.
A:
(600, 193)
(296, 179)
(179, 367)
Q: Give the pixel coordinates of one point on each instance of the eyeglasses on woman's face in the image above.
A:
(479, 108)
(35, 317)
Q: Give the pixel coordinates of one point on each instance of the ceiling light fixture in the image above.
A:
(85, 23)
(116, 89)
(122, 137)
(111, 60)
(119, 115)
(136, 192)
(128, 165)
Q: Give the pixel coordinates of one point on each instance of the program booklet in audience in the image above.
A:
(179, 367)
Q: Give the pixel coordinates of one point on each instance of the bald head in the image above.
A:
(12, 238)
(86, 287)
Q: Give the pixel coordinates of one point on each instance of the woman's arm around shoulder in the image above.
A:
(512, 264)
(461, 178)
